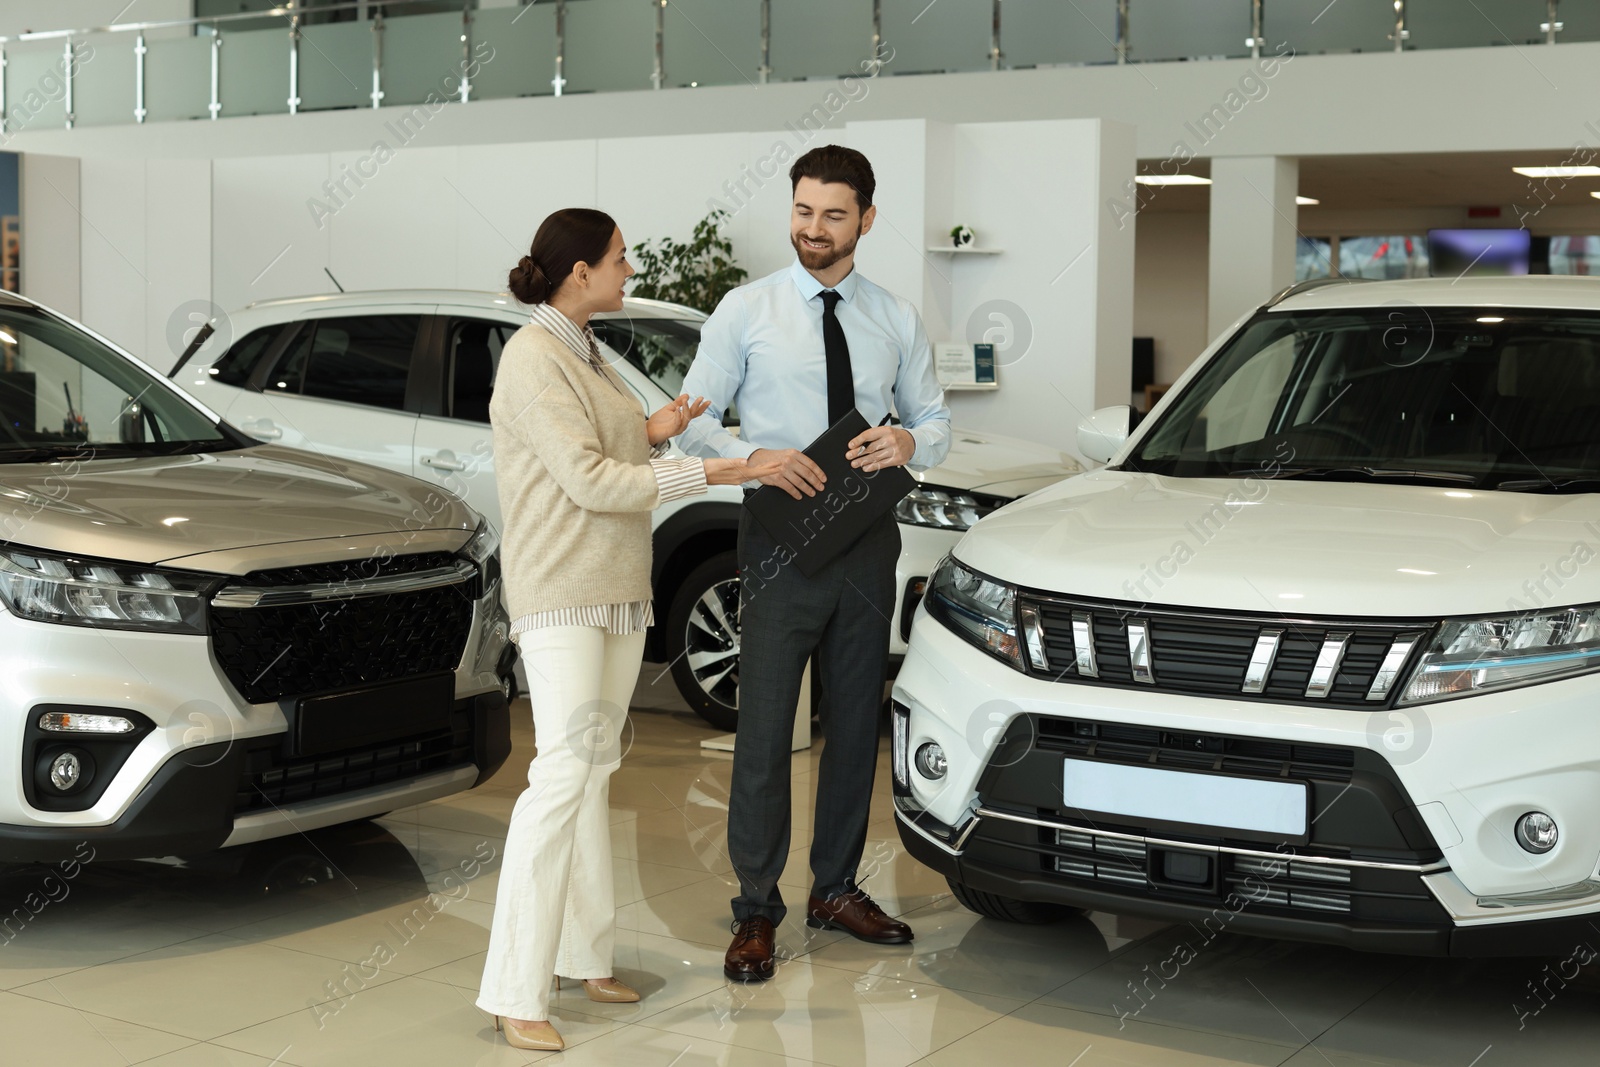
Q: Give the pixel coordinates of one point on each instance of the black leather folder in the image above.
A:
(817, 529)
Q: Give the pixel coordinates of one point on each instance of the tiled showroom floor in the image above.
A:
(318, 950)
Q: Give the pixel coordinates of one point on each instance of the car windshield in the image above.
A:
(1499, 398)
(64, 392)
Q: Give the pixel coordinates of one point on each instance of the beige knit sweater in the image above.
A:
(574, 477)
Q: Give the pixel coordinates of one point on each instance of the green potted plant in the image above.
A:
(697, 273)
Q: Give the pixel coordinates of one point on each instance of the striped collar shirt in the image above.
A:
(676, 477)
(581, 341)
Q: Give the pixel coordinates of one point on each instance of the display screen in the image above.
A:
(1453, 253)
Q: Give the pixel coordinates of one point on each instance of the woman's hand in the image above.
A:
(738, 471)
(673, 419)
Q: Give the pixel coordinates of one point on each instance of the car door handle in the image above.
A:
(262, 428)
(444, 461)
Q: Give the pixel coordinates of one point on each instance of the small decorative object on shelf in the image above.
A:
(962, 236)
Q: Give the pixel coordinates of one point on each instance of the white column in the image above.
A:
(1253, 226)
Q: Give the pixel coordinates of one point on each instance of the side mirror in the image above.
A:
(1104, 431)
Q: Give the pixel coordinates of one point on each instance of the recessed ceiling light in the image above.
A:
(1595, 193)
(1171, 179)
(1558, 172)
(1307, 201)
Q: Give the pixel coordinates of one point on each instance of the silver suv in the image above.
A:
(209, 641)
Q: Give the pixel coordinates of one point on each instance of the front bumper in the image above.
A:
(1424, 844)
(192, 803)
(210, 769)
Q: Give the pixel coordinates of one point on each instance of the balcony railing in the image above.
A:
(299, 57)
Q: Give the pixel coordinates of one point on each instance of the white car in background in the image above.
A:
(1317, 656)
(402, 379)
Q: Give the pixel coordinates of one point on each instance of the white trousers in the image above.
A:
(555, 910)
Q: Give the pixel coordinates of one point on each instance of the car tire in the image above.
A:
(702, 640)
(1008, 909)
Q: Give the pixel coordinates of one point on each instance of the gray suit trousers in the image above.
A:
(843, 613)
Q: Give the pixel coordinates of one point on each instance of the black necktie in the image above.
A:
(841, 382)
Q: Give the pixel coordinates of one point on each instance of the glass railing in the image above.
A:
(299, 57)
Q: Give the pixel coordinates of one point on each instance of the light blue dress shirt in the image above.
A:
(762, 350)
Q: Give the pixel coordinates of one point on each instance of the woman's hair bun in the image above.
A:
(528, 282)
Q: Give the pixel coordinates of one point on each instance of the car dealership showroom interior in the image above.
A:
(755, 532)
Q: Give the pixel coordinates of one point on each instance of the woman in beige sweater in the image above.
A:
(579, 469)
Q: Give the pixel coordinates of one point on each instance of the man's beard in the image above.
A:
(812, 259)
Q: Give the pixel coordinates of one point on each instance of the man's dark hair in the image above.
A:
(836, 163)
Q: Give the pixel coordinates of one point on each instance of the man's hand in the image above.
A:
(797, 473)
(674, 418)
(881, 446)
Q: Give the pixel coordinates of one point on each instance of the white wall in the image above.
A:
(51, 253)
(144, 244)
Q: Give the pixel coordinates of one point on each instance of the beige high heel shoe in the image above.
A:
(609, 991)
(605, 990)
(541, 1037)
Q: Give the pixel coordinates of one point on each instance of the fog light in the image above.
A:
(65, 771)
(63, 722)
(931, 762)
(1537, 832)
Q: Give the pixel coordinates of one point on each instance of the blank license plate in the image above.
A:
(1211, 800)
(376, 713)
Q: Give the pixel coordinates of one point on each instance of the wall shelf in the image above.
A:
(966, 251)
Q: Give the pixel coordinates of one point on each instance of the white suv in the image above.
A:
(402, 379)
(198, 632)
(1315, 656)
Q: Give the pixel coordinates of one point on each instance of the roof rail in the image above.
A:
(1306, 286)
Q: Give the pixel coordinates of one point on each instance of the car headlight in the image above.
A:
(945, 509)
(484, 550)
(1476, 655)
(981, 610)
(49, 588)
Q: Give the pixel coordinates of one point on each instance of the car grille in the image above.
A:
(1188, 750)
(272, 780)
(1211, 654)
(273, 653)
(1270, 882)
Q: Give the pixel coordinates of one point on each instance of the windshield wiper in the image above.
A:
(1365, 474)
(41, 453)
(82, 450)
(1584, 484)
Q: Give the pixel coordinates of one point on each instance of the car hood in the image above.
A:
(1295, 547)
(1004, 466)
(192, 510)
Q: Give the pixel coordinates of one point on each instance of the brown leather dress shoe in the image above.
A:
(857, 915)
(750, 957)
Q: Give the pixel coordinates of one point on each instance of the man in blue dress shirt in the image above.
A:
(794, 351)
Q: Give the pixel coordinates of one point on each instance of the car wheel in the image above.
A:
(1007, 909)
(702, 640)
